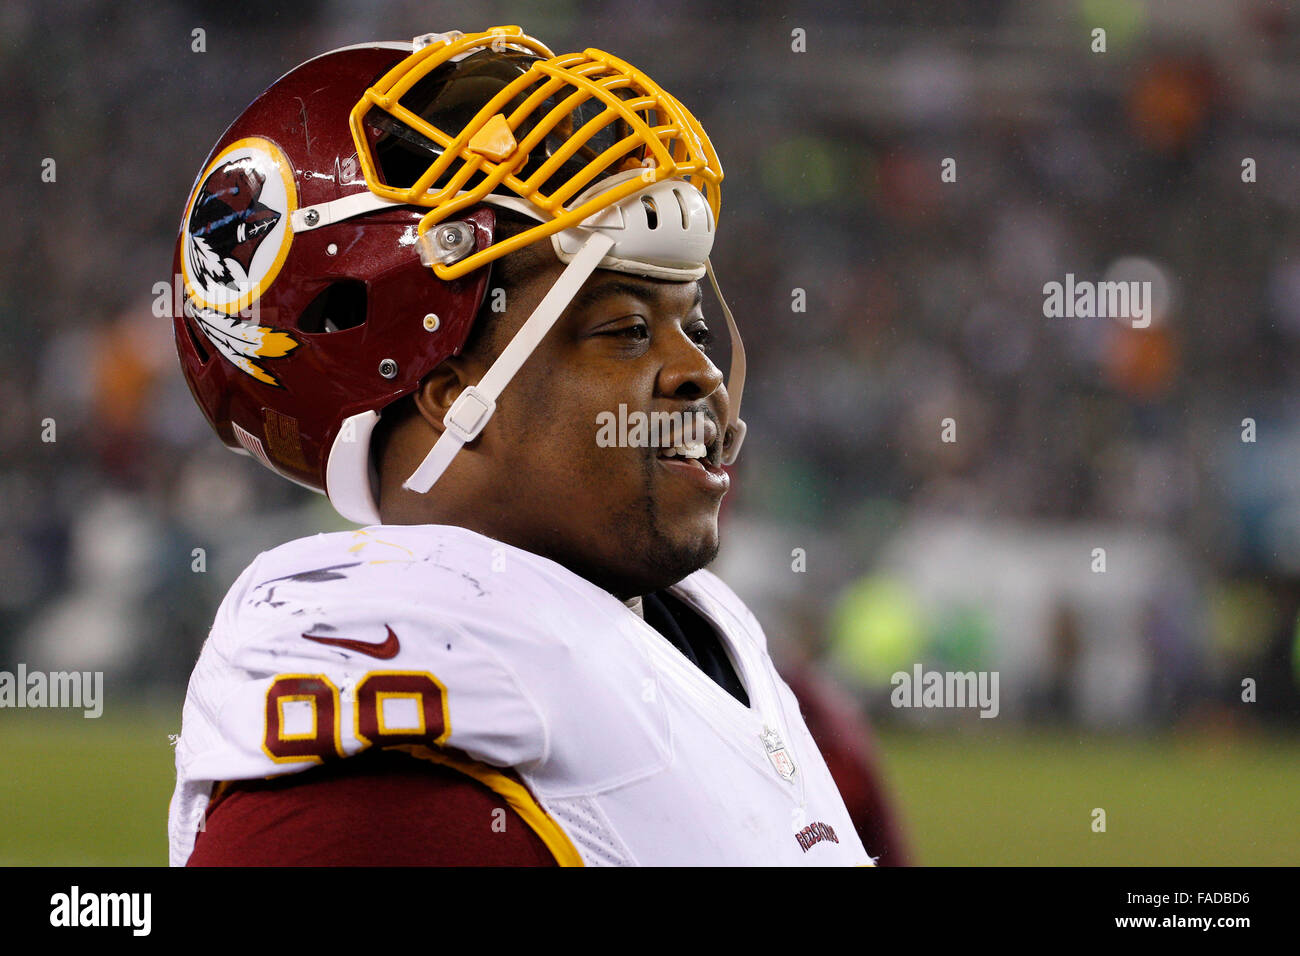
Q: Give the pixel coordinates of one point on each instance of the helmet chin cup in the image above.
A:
(731, 442)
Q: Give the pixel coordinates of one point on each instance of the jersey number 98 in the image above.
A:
(391, 708)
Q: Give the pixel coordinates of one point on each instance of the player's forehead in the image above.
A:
(607, 287)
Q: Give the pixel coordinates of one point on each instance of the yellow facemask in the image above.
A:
(555, 104)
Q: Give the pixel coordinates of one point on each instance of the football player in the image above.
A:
(448, 284)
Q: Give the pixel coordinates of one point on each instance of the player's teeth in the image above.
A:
(687, 450)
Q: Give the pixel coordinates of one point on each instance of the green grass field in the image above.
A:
(1027, 799)
(95, 792)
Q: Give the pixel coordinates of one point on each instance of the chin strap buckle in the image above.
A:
(469, 413)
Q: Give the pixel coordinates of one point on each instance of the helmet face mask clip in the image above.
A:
(446, 244)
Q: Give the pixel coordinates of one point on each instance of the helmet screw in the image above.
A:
(431, 323)
(451, 237)
(388, 368)
(311, 217)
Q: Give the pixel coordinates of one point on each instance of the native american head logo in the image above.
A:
(227, 224)
(236, 237)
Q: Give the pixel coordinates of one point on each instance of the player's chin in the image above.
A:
(691, 529)
(684, 549)
(689, 509)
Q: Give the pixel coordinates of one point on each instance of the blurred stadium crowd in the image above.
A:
(923, 301)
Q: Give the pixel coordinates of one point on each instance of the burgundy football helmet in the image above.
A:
(338, 242)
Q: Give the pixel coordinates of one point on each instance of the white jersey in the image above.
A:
(471, 653)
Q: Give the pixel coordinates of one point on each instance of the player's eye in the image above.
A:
(637, 332)
(702, 336)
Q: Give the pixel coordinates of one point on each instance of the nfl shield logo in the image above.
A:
(776, 752)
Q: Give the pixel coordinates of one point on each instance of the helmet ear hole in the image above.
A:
(341, 306)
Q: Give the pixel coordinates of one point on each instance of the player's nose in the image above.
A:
(687, 371)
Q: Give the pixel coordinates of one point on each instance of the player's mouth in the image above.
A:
(699, 461)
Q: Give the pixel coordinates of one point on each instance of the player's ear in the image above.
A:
(439, 389)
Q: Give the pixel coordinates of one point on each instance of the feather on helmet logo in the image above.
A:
(236, 238)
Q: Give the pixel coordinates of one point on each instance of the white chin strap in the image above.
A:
(475, 405)
(664, 230)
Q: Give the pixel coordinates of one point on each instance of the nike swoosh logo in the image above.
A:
(385, 651)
